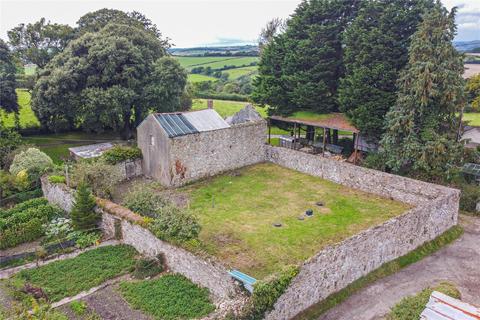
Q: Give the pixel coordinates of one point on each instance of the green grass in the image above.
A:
(200, 78)
(26, 115)
(225, 108)
(385, 270)
(69, 277)
(472, 118)
(168, 298)
(214, 62)
(237, 212)
(411, 307)
(56, 145)
(239, 72)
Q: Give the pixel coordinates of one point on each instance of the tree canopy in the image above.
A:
(8, 96)
(422, 126)
(39, 42)
(108, 79)
(376, 45)
(301, 68)
(473, 92)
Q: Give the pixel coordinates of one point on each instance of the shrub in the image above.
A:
(9, 141)
(34, 161)
(58, 228)
(411, 307)
(101, 177)
(121, 153)
(469, 197)
(84, 239)
(27, 195)
(266, 292)
(173, 223)
(83, 212)
(145, 201)
(56, 179)
(32, 203)
(78, 307)
(148, 267)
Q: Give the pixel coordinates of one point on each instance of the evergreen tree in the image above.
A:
(301, 68)
(421, 128)
(8, 95)
(83, 214)
(376, 49)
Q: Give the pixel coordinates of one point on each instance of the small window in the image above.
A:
(152, 140)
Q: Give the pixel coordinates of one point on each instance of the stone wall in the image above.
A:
(333, 268)
(130, 169)
(205, 154)
(58, 193)
(201, 271)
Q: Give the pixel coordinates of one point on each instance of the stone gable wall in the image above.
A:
(333, 268)
(204, 154)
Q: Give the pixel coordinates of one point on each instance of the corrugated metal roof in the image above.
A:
(175, 124)
(179, 124)
(443, 307)
(206, 120)
(91, 151)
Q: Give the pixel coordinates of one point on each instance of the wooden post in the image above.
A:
(324, 140)
(269, 130)
(294, 135)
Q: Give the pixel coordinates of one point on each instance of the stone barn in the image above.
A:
(185, 146)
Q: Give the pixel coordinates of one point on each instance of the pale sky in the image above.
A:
(196, 22)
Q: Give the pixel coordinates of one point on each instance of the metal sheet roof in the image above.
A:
(91, 151)
(179, 124)
(443, 307)
(336, 121)
(175, 124)
(206, 120)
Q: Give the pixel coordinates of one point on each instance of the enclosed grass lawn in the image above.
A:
(168, 298)
(200, 78)
(69, 277)
(237, 212)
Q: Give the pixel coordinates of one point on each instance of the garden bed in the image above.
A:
(238, 212)
(66, 278)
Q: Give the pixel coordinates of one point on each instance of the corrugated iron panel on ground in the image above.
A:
(175, 124)
(443, 307)
(206, 120)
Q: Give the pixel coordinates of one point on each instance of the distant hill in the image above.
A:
(467, 46)
(244, 50)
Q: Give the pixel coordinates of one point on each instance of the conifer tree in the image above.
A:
(84, 217)
(300, 68)
(422, 126)
(376, 49)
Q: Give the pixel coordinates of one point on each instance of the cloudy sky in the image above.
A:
(196, 22)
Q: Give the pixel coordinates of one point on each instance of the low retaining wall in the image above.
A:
(333, 268)
(130, 169)
(204, 272)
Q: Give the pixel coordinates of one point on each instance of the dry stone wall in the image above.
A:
(333, 268)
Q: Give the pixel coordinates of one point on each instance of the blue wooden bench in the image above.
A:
(246, 280)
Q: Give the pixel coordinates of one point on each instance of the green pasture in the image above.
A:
(26, 116)
(193, 78)
(214, 62)
(239, 72)
(472, 118)
(238, 211)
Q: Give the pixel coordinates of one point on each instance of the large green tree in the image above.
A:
(301, 68)
(105, 80)
(97, 20)
(422, 125)
(376, 49)
(8, 96)
(39, 42)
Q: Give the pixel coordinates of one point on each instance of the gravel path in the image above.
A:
(459, 263)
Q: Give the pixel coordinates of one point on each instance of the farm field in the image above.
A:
(239, 230)
(473, 118)
(193, 78)
(214, 62)
(26, 116)
(239, 72)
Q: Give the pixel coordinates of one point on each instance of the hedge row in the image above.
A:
(221, 96)
(24, 222)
